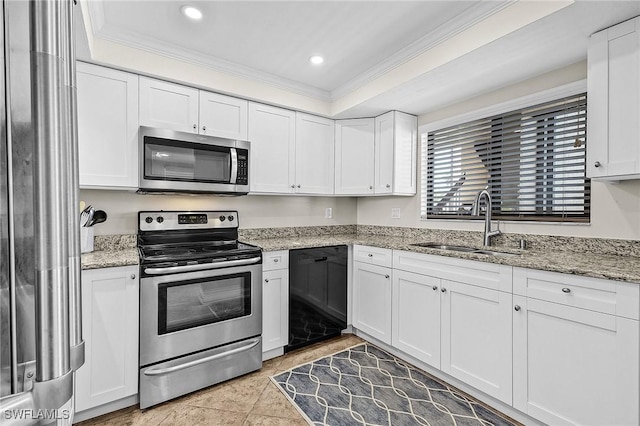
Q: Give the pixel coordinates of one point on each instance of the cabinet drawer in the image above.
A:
(481, 274)
(372, 255)
(272, 260)
(606, 296)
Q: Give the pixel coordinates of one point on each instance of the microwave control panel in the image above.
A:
(243, 168)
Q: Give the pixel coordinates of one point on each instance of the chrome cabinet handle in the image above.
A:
(133, 276)
(566, 290)
(275, 260)
(597, 164)
(371, 187)
(370, 255)
(435, 287)
(266, 280)
(204, 128)
(195, 127)
(517, 308)
(388, 186)
(386, 276)
(298, 186)
(293, 186)
(444, 290)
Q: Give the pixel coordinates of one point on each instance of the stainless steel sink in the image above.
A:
(496, 253)
(465, 249)
(445, 247)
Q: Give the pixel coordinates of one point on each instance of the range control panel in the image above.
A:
(174, 220)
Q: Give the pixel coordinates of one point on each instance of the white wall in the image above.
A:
(615, 208)
(254, 211)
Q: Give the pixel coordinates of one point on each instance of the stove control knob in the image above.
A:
(160, 219)
(148, 219)
(231, 218)
(222, 218)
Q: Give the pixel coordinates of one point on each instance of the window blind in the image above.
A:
(532, 161)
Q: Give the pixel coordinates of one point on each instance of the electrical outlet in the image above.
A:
(395, 213)
(328, 213)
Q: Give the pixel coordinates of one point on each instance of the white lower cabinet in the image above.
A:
(110, 330)
(563, 349)
(372, 300)
(416, 316)
(576, 350)
(462, 329)
(275, 300)
(476, 337)
(275, 309)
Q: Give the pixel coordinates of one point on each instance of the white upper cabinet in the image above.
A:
(223, 116)
(613, 138)
(272, 133)
(107, 127)
(185, 109)
(396, 136)
(168, 105)
(354, 157)
(314, 155)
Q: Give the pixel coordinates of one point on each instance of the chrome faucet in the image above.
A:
(475, 211)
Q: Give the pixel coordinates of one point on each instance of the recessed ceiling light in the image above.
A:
(316, 60)
(192, 12)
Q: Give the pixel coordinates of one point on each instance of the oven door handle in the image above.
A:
(153, 372)
(201, 266)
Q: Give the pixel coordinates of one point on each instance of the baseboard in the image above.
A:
(105, 409)
(272, 353)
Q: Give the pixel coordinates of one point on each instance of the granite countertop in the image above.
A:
(609, 259)
(110, 258)
(614, 267)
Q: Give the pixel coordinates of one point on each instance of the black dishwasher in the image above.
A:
(317, 294)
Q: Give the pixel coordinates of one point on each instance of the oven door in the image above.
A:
(188, 312)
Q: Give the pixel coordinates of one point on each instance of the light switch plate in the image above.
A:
(395, 213)
(328, 213)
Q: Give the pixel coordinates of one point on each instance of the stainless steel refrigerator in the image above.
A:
(40, 330)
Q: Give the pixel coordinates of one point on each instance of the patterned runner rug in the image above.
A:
(365, 385)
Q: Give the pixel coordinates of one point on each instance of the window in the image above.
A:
(532, 162)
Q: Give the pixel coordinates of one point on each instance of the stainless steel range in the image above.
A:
(200, 302)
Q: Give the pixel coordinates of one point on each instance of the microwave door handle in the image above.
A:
(233, 158)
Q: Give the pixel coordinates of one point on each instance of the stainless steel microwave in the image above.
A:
(172, 161)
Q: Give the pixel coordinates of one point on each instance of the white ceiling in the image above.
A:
(270, 41)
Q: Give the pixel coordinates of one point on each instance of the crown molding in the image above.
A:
(171, 51)
(443, 32)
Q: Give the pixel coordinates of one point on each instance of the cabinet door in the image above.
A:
(107, 127)
(384, 133)
(354, 156)
(372, 300)
(272, 132)
(416, 316)
(476, 337)
(614, 101)
(405, 153)
(575, 366)
(314, 154)
(110, 330)
(275, 309)
(168, 106)
(223, 116)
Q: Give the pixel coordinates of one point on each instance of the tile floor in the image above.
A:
(248, 400)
